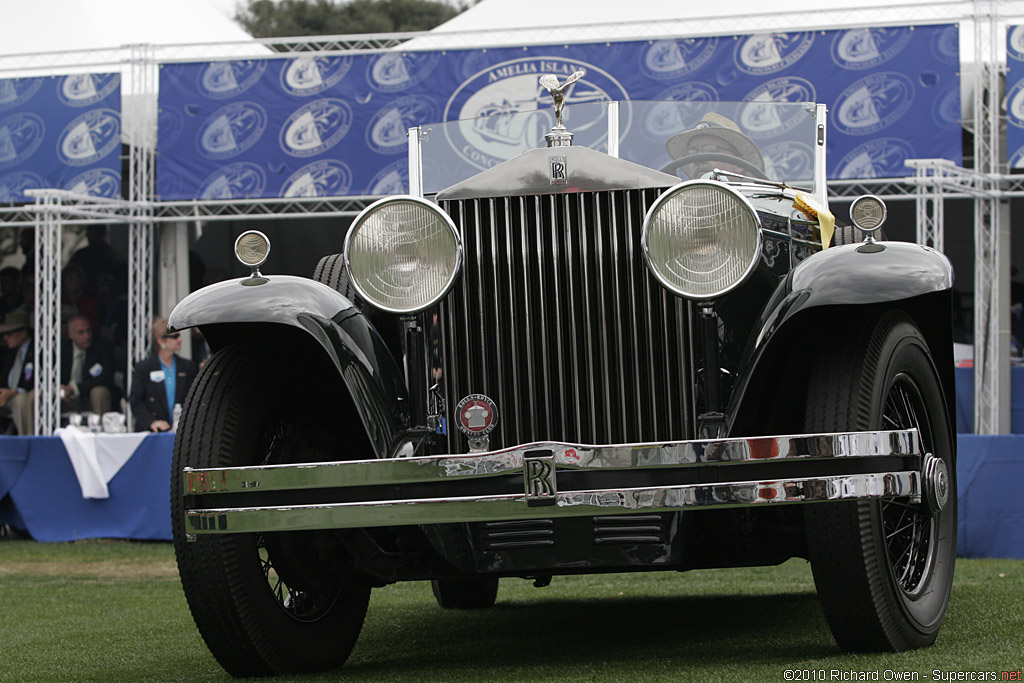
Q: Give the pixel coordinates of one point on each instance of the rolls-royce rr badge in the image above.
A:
(476, 415)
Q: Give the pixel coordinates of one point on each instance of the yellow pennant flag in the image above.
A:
(812, 209)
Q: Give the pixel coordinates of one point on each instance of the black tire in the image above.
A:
(254, 622)
(883, 570)
(471, 593)
(331, 271)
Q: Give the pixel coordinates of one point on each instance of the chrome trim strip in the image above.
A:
(565, 504)
(566, 456)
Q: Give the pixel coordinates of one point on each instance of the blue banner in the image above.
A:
(60, 132)
(336, 125)
(1015, 96)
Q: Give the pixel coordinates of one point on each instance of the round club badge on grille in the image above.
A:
(476, 415)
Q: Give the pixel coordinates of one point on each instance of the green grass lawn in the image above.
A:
(114, 611)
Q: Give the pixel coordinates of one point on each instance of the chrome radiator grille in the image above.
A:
(557, 319)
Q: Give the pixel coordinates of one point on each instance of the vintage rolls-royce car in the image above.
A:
(572, 363)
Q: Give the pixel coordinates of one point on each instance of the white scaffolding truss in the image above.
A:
(981, 21)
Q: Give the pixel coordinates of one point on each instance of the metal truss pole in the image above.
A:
(141, 177)
(46, 362)
(929, 195)
(991, 349)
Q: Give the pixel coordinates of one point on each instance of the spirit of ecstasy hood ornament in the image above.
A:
(559, 136)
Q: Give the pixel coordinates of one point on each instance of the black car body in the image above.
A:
(649, 374)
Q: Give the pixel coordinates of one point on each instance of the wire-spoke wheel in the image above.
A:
(883, 569)
(264, 603)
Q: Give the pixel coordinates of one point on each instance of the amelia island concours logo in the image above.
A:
(13, 186)
(324, 178)
(15, 92)
(1015, 105)
(231, 130)
(90, 137)
(240, 180)
(20, 136)
(1015, 43)
(672, 59)
(677, 109)
(306, 76)
(96, 182)
(767, 53)
(866, 48)
(386, 133)
(316, 127)
(873, 103)
(395, 71)
(83, 90)
(771, 111)
(790, 160)
(881, 158)
(392, 179)
(499, 110)
(221, 80)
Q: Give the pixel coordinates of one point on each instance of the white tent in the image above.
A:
(67, 25)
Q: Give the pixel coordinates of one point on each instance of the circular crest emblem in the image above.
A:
(231, 130)
(305, 76)
(677, 109)
(671, 59)
(21, 134)
(324, 178)
(874, 103)
(1016, 159)
(13, 186)
(90, 137)
(1015, 105)
(220, 80)
(16, 91)
(789, 160)
(395, 71)
(881, 158)
(763, 119)
(316, 127)
(767, 53)
(82, 90)
(168, 128)
(392, 179)
(476, 415)
(946, 45)
(386, 133)
(96, 182)
(865, 48)
(241, 180)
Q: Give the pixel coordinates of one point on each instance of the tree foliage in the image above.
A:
(279, 18)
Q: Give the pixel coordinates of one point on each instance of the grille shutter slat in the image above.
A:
(557, 319)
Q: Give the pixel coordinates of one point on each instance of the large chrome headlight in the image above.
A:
(403, 254)
(701, 239)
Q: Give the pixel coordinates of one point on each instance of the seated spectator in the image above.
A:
(17, 397)
(86, 369)
(159, 381)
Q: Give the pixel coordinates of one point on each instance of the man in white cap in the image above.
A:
(715, 142)
(18, 371)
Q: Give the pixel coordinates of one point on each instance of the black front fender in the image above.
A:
(236, 310)
(851, 277)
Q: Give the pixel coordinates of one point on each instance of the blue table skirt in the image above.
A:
(40, 493)
(44, 497)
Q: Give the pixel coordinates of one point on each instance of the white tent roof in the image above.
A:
(533, 22)
(48, 25)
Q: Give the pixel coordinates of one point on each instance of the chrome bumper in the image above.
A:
(540, 464)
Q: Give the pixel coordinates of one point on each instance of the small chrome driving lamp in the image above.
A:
(868, 214)
(252, 249)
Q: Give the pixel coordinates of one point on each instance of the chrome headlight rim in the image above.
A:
(252, 264)
(666, 196)
(433, 208)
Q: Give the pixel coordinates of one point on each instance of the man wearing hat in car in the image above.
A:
(17, 371)
(715, 142)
